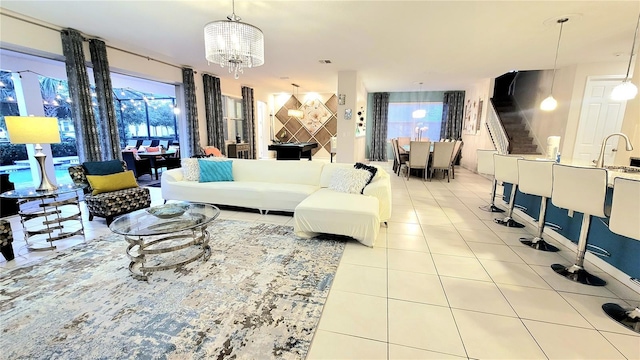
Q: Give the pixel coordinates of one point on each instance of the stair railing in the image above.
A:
(496, 130)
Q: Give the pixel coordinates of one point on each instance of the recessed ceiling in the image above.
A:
(391, 44)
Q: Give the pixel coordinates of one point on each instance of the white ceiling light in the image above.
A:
(420, 113)
(550, 103)
(233, 44)
(627, 90)
(295, 112)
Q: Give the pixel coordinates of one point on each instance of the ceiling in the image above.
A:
(393, 45)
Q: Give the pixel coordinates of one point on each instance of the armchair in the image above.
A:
(110, 204)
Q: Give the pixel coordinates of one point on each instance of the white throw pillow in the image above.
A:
(190, 169)
(349, 180)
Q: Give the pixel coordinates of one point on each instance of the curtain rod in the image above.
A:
(87, 38)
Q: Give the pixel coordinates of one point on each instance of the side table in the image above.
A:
(52, 215)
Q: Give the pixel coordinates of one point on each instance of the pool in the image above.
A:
(22, 178)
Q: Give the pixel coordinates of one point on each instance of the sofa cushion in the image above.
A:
(102, 167)
(351, 181)
(215, 170)
(279, 172)
(112, 182)
(372, 169)
(190, 169)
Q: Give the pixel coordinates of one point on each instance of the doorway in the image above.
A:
(599, 117)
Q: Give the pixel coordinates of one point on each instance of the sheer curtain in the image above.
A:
(213, 112)
(84, 121)
(452, 115)
(192, 143)
(379, 127)
(108, 123)
(249, 119)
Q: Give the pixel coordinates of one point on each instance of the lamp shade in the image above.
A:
(295, 113)
(624, 91)
(419, 114)
(548, 104)
(32, 129)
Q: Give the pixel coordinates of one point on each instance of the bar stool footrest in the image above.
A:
(580, 276)
(540, 244)
(624, 317)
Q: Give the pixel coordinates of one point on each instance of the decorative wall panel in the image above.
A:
(318, 124)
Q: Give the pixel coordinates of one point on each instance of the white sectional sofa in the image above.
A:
(301, 187)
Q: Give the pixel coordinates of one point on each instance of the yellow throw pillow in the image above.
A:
(113, 182)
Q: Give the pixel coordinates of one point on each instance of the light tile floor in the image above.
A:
(445, 282)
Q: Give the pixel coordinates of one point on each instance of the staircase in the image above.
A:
(519, 140)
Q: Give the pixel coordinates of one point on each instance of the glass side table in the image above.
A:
(166, 237)
(50, 215)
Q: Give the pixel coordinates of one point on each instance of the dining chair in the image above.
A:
(418, 157)
(401, 159)
(454, 156)
(441, 160)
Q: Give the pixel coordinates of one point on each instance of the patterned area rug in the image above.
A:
(260, 295)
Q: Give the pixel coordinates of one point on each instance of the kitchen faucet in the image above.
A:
(600, 161)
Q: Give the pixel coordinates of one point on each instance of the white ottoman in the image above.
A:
(331, 212)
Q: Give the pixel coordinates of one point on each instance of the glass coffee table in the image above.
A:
(166, 237)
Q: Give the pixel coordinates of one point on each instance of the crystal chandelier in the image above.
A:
(233, 44)
(550, 103)
(627, 90)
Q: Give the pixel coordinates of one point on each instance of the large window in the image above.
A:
(233, 118)
(402, 124)
(144, 115)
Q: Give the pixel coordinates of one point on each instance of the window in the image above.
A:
(402, 124)
(233, 118)
(144, 115)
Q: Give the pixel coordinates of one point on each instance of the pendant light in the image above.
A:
(627, 90)
(550, 103)
(295, 112)
(420, 113)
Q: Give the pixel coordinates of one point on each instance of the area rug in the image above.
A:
(259, 296)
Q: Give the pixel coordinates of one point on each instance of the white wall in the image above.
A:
(482, 89)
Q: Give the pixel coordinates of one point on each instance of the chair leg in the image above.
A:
(537, 242)
(576, 272)
(508, 221)
(90, 217)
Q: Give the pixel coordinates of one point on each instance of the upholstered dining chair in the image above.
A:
(418, 157)
(140, 167)
(457, 148)
(441, 160)
(401, 159)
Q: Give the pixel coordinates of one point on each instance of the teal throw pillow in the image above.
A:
(215, 170)
(102, 167)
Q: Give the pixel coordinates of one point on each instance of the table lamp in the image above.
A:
(35, 130)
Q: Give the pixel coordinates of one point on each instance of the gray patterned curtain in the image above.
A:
(213, 112)
(192, 145)
(249, 119)
(379, 127)
(108, 123)
(452, 115)
(87, 137)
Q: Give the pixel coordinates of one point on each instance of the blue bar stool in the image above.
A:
(625, 212)
(583, 190)
(535, 177)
